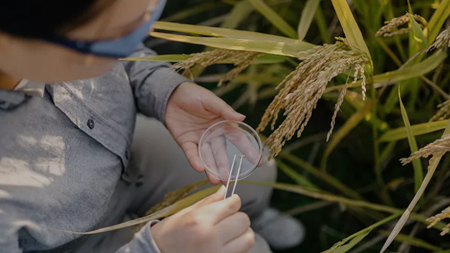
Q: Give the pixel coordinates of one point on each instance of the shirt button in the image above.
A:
(91, 124)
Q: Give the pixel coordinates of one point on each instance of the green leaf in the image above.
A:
(267, 59)
(194, 198)
(418, 170)
(404, 218)
(419, 129)
(404, 73)
(196, 10)
(307, 17)
(417, 35)
(274, 18)
(349, 25)
(349, 245)
(349, 242)
(222, 32)
(254, 45)
(387, 151)
(413, 241)
(411, 71)
(438, 19)
(294, 175)
(344, 201)
(240, 11)
(321, 175)
(322, 25)
(392, 99)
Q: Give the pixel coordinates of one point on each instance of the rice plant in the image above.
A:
(375, 71)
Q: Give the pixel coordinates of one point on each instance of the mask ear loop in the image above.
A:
(237, 176)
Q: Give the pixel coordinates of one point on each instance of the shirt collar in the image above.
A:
(11, 99)
(32, 88)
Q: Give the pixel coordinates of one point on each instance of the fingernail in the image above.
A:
(241, 115)
(221, 189)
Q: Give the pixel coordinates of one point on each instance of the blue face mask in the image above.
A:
(117, 48)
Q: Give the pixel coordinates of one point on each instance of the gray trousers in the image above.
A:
(160, 166)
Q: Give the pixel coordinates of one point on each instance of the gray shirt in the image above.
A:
(64, 149)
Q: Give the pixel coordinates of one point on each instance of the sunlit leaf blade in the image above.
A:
(349, 25)
(194, 198)
(431, 169)
(274, 18)
(438, 19)
(414, 70)
(307, 17)
(221, 32)
(419, 129)
(178, 206)
(267, 59)
(418, 170)
(254, 45)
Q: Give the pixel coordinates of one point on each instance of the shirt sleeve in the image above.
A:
(142, 242)
(152, 83)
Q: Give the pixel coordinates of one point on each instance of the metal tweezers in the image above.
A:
(237, 176)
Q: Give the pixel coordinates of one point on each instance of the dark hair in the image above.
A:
(44, 18)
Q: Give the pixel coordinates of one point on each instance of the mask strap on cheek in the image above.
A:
(237, 176)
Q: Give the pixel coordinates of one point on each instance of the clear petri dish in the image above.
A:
(227, 146)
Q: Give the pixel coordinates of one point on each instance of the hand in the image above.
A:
(221, 157)
(190, 111)
(211, 225)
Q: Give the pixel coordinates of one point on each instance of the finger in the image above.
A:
(236, 136)
(222, 209)
(208, 158)
(190, 150)
(212, 179)
(242, 243)
(217, 106)
(233, 226)
(219, 151)
(217, 196)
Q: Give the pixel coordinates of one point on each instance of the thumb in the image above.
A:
(219, 195)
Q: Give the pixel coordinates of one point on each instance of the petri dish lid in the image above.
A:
(226, 142)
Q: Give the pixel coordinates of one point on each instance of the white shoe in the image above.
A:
(280, 231)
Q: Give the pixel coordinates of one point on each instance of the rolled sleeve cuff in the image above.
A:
(142, 242)
(168, 81)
